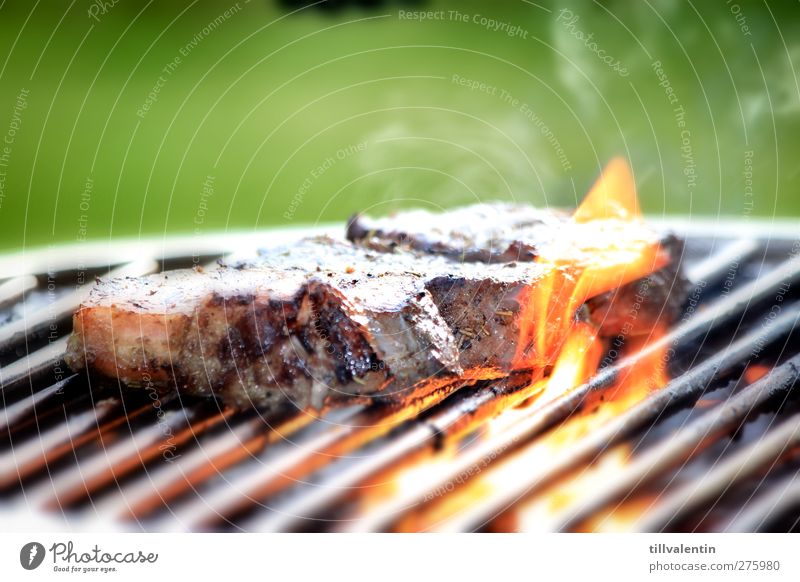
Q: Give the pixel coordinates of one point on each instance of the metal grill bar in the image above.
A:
(762, 453)
(16, 287)
(775, 502)
(14, 412)
(708, 271)
(32, 364)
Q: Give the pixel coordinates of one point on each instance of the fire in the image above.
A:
(602, 247)
(612, 196)
(649, 375)
(576, 363)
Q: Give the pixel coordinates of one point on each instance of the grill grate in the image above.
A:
(717, 449)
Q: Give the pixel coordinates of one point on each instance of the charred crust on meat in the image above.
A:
(398, 314)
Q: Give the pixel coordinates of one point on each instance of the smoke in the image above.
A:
(446, 159)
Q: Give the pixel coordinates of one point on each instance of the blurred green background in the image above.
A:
(140, 118)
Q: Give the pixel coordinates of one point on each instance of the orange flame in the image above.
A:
(602, 247)
(576, 363)
(612, 196)
(648, 375)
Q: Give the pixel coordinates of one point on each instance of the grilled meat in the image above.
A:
(635, 309)
(486, 233)
(325, 321)
(310, 323)
(511, 233)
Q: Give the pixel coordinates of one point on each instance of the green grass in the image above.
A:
(264, 99)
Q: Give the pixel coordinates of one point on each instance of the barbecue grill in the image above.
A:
(715, 449)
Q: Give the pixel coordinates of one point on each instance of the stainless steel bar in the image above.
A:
(708, 271)
(64, 306)
(695, 495)
(684, 388)
(776, 502)
(13, 412)
(16, 287)
(33, 363)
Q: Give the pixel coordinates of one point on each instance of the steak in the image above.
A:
(511, 233)
(323, 322)
(312, 323)
(486, 233)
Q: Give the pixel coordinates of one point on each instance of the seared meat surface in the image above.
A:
(325, 321)
(311, 323)
(635, 309)
(497, 232)
(506, 233)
